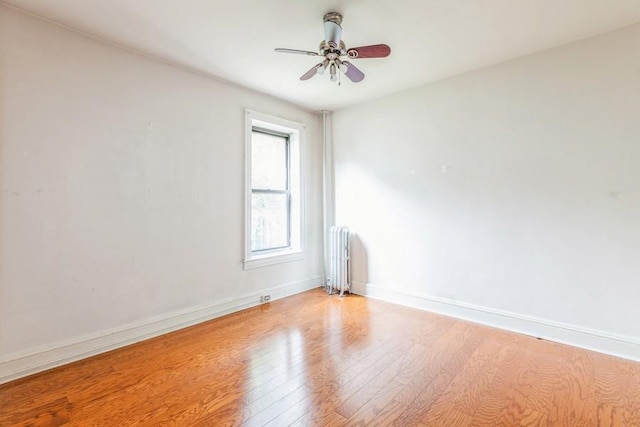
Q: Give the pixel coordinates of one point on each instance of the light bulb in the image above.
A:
(332, 71)
(323, 67)
(342, 66)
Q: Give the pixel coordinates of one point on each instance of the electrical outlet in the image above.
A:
(265, 298)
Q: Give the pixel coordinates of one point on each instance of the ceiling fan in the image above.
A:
(332, 48)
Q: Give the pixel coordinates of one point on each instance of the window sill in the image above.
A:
(273, 258)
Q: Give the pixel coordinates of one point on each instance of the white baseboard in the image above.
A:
(623, 346)
(40, 359)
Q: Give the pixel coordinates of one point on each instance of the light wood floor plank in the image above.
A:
(319, 360)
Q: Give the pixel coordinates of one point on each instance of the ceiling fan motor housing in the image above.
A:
(333, 29)
(326, 48)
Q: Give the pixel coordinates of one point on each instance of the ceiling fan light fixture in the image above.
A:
(342, 66)
(323, 67)
(333, 71)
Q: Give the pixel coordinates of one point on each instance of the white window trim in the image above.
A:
(296, 132)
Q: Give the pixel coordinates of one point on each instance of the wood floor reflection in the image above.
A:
(314, 359)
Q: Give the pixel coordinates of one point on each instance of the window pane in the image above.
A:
(268, 161)
(269, 221)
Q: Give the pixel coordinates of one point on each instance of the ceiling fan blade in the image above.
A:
(373, 51)
(299, 52)
(332, 29)
(312, 72)
(354, 74)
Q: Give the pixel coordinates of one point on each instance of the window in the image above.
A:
(270, 190)
(273, 207)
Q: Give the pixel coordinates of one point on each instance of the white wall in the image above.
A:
(509, 195)
(122, 196)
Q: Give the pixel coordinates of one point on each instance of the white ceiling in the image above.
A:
(430, 39)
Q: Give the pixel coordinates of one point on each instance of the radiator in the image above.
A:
(339, 279)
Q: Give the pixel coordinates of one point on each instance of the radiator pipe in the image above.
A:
(325, 200)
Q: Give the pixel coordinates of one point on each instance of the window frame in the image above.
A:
(286, 191)
(295, 201)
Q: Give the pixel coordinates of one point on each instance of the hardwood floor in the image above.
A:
(314, 359)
